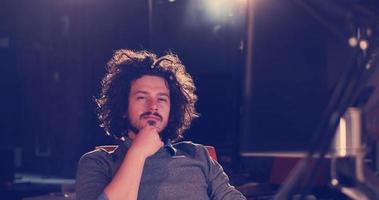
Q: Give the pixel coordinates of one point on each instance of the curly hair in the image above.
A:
(126, 66)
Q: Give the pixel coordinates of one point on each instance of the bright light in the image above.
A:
(363, 44)
(216, 9)
(334, 182)
(342, 151)
(353, 42)
(222, 9)
(215, 12)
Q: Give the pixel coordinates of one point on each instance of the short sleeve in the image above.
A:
(92, 177)
(219, 187)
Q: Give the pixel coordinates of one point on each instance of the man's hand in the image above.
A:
(144, 144)
(147, 142)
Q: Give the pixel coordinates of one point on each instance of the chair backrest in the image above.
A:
(107, 148)
(111, 148)
(282, 167)
(212, 152)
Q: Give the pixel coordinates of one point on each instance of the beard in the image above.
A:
(163, 134)
(132, 128)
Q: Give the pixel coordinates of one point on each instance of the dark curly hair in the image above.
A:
(126, 66)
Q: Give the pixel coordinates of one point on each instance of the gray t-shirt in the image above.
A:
(176, 172)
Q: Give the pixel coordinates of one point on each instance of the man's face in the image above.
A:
(149, 103)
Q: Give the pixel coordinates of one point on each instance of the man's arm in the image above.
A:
(125, 183)
(94, 181)
(92, 175)
(218, 182)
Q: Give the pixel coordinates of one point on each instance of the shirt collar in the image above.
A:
(170, 147)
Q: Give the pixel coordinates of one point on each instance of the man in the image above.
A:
(146, 103)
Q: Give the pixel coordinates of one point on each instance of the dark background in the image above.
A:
(53, 54)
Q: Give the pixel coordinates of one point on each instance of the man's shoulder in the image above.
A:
(187, 144)
(100, 152)
(191, 149)
(95, 154)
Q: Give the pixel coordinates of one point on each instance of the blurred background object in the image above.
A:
(53, 54)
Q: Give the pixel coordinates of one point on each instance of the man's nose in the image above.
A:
(152, 104)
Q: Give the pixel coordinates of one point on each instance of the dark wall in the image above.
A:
(53, 67)
(56, 57)
(54, 60)
(300, 51)
(289, 76)
(210, 47)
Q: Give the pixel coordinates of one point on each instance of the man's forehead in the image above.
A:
(148, 83)
(147, 93)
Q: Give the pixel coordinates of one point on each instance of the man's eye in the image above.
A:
(140, 97)
(162, 99)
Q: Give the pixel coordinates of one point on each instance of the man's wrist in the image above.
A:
(136, 154)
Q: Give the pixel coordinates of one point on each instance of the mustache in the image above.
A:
(151, 113)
